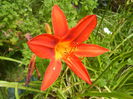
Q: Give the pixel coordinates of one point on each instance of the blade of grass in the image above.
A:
(117, 30)
(20, 86)
(10, 59)
(16, 92)
(121, 43)
(118, 95)
(123, 79)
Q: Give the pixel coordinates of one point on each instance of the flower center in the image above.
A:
(62, 49)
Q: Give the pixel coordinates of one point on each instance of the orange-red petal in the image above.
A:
(89, 50)
(82, 30)
(43, 45)
(78, 68)
(59, 21)
(46, 40)
(51, 74)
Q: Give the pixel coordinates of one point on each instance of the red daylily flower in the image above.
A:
(66, 44)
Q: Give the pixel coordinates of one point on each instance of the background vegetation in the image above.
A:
(111, 73)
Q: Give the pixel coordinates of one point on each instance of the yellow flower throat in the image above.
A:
(63, 49)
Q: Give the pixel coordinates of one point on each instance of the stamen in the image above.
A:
(64, 49)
